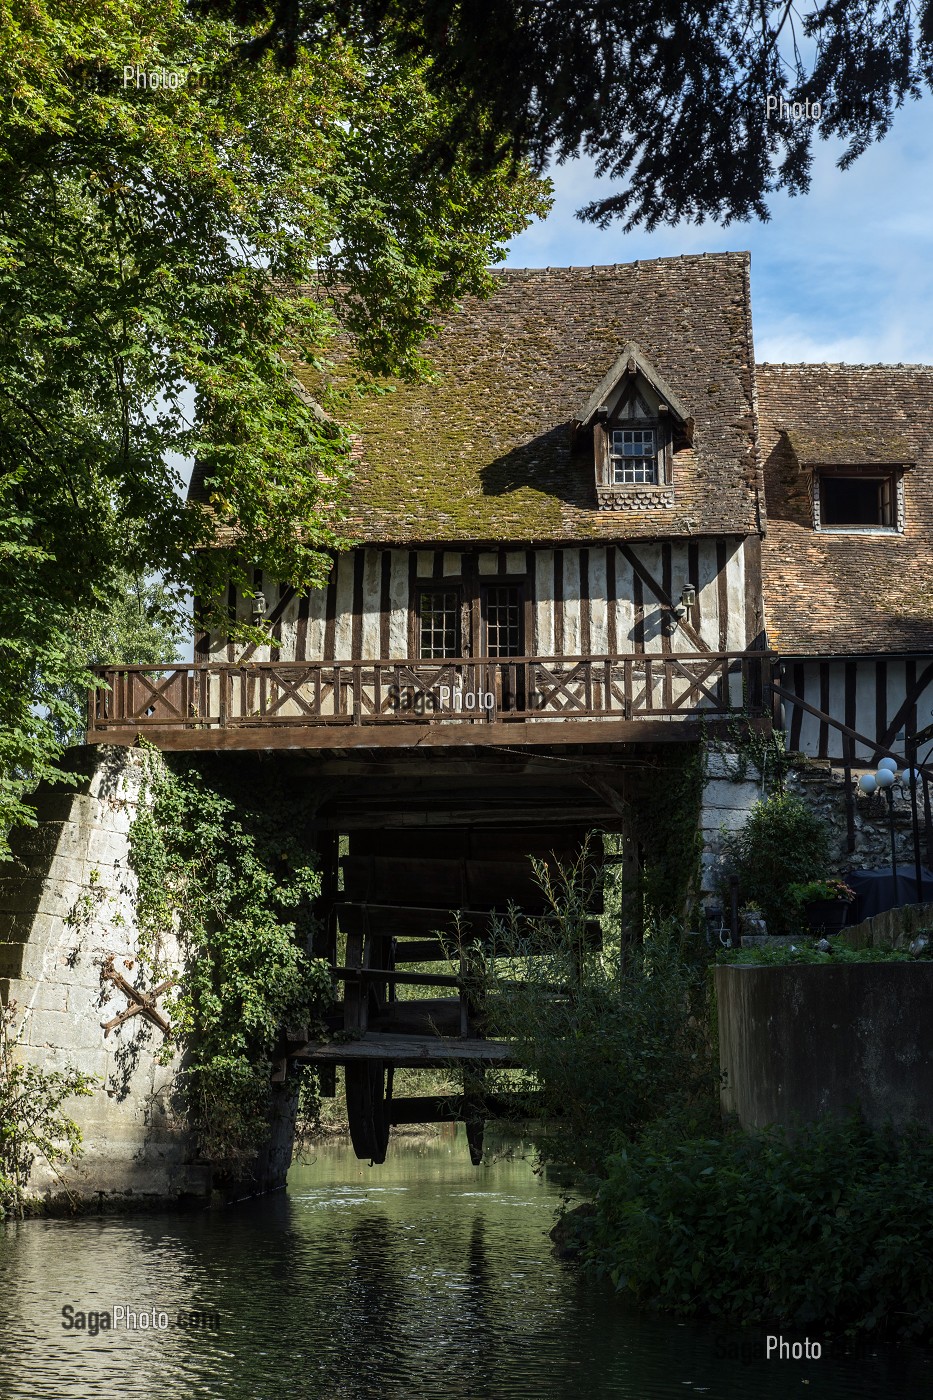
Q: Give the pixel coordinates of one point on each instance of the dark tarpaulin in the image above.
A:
(875, 890)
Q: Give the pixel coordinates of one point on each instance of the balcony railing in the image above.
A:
(465, 691)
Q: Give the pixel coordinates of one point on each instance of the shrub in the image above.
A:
(609, 1043)
(32, 1124)
(782, 844)
(831, 1225)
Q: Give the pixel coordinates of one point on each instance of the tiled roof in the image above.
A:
(485, 453)
(837, 594)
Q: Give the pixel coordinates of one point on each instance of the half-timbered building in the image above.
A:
(576, 549)
(848, 465)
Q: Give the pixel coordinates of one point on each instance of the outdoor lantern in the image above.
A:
(886, 776)
(259, 609)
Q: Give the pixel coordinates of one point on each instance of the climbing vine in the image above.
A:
(32, 1123)
(749, 750)
(669, 829)
(224, 877)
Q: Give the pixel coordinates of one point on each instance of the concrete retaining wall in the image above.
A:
(796, 1043)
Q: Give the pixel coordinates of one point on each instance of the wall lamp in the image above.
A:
(681, 609)
(259, 610)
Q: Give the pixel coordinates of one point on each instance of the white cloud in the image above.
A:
(843, 273)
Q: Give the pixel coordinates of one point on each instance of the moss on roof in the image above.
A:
(486, 452)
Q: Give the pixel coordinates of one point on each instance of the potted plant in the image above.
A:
(825, 904)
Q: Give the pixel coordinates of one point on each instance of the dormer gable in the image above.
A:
(637, 421)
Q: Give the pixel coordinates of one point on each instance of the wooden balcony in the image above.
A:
(345, 704)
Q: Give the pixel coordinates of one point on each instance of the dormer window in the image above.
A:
(633, 457)
(637, 424)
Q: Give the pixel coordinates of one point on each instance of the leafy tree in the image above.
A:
(173, 227)
(668, 96)
(139, 626)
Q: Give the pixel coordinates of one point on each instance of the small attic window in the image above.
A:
(857, 501)
(633, 457)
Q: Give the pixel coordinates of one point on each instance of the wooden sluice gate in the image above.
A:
(439, 906)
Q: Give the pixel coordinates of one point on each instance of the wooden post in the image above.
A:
(850, 794)
(915, 816)
(734, 911)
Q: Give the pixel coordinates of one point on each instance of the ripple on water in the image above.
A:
(430, 1280)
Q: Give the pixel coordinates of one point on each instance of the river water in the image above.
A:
(425, 1278)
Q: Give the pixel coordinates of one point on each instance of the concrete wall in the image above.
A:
(796, 1043)
(66, 908)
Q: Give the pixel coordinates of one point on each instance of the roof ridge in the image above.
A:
(743, 253)
(843, 364)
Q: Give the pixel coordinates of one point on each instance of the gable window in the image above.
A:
(438, 623)
(502, 619)
(633, 457)
(857, 502)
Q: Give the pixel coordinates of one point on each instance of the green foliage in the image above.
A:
(668, 818)
(32, 1123)
(235, 883)
(783, 843)
(609, 1043)
(791, 954)
(167, 256)
(668, 101)
(813, 890)
(830, 1226)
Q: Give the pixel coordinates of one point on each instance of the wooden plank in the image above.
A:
(667, 570)
(410, 1051)
(754, 605)
(796, 723)
(522, 734)
(458, 1108)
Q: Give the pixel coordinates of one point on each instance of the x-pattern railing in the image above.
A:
(471, 690)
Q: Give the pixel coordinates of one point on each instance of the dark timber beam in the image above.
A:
(521, 734)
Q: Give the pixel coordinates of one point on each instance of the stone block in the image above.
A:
(49, 1028)
(720, 792)
(717, 819)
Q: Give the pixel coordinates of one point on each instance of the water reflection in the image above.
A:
(425, 1278)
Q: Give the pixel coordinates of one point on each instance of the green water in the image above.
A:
(423, 1278)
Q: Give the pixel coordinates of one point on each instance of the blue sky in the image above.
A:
(844, 273)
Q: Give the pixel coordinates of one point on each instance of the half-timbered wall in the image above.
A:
(884, 698)
(602, 600)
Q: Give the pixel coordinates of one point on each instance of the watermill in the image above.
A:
(409, 933)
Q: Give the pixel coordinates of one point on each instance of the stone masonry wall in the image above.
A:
(66, 908)
(823, 790)
(731, 788)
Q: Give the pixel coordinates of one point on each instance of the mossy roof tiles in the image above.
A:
(835, 594)
(485, 453)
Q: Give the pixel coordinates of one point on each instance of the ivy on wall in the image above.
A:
(221, 866)
(668, 817)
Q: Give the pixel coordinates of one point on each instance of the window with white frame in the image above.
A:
(633, 457)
